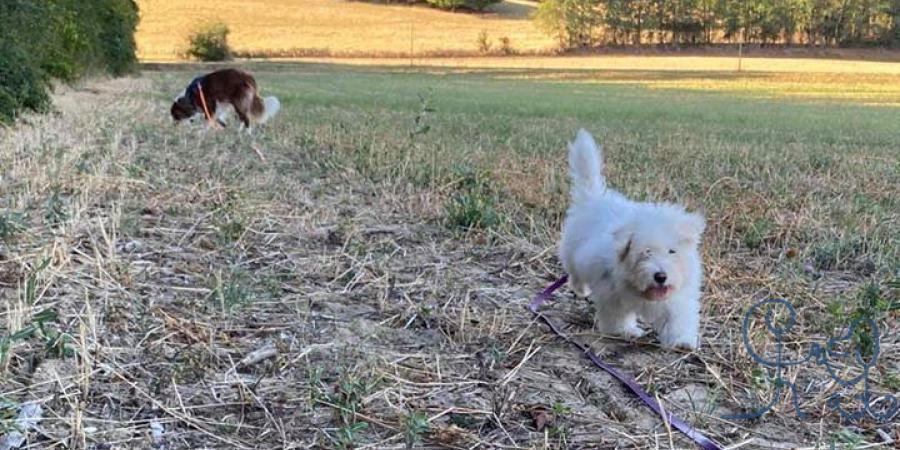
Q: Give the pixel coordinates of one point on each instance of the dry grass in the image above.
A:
(229, 302)
(337, 26)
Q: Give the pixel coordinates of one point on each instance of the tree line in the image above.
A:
(584, 23)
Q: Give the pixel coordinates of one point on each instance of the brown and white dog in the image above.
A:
(223, 90)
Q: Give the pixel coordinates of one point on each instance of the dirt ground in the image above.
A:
(209, 298)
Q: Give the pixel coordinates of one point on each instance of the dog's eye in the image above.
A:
(671, 251)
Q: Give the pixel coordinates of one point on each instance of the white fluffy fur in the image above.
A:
(272, 107)
(614, 249)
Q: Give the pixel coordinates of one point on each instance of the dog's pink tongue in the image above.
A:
(658, 292)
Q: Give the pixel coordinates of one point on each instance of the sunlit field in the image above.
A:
(800, 66)
(339, 27)
(807, 79)
(355, 273)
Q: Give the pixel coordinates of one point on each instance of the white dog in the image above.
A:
(636, 260)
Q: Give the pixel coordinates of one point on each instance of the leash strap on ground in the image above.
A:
(689, 431)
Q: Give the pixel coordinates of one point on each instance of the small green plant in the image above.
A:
(56, 343)
(31, 282)
(847, 437)
(9, 411)
(560, 409)
(415, 426)
(56, 209)
(706, 408)
(484, 42)
(11, 224)
(497, 354)
(230, 230)
(348, 396)
(420, 124)
(472, 205)
(317, 389)
(231, 289)
(228, 218)
(464, 420)
(560, 433)
(557, 427)
(872, 304)
(892, 381)
(209, 42)
(347, 401)
(348, 434)
(759, 378)
(840, 253)
(130, 224)
(759, 229)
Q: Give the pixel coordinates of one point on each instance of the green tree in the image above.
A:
(572, 22)
(893, 36)
(577, 23)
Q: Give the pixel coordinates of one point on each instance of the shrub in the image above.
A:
(63, 39)
(475, 5)
(22, 85)
(210, 42)
(70, 38)
(118, 24)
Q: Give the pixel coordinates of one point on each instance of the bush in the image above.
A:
(475, 5)
(62, 39)
(70, 38)
(22, 85)
(209, 42)
(118, 24)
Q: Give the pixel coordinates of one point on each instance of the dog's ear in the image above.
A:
(622, 238)
(691, 227)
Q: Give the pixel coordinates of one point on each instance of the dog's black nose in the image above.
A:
(659, 277)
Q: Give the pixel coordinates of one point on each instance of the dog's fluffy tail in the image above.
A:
(263, 109)
(586, 167)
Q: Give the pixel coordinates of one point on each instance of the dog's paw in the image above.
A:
(581, 290)
(633, 330)
(630, 329)
(679, 341)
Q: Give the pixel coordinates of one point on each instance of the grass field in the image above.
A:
(355, 274)
(336, 26)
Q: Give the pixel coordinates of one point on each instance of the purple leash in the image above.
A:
(689, 431)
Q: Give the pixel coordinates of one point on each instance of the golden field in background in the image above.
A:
(338, 26)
